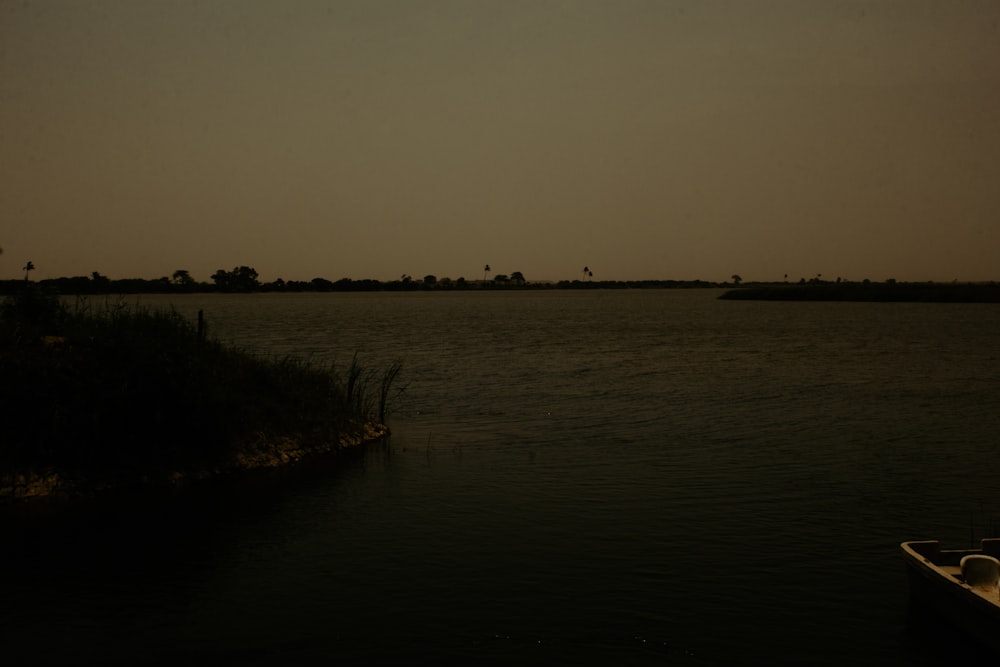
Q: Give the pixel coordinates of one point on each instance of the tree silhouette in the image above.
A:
(517, 278)
(28, 268)
(101, 283)
(221, 279)
(486, 270)
(240, 279)
(737, 278)
(182, 277)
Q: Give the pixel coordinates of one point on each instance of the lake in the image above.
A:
(573, 477)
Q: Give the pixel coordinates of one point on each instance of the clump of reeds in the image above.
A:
(359, 387)
(114, 390)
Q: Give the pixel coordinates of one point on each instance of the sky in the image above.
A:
(644, 139)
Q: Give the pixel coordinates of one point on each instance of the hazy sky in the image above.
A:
(659, 139)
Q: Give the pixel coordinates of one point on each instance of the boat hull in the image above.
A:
(937, 587)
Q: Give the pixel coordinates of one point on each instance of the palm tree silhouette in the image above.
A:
(486, 269)
(28, 268)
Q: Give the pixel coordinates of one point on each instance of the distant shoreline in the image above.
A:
(813, 290)
(82, 285)
(882, 292)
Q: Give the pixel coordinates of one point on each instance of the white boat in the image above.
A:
(962, 585)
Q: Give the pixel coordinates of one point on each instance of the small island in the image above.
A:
(101, 398)
(889, 290)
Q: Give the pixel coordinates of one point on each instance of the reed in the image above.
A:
(110, 391)
(369, 392)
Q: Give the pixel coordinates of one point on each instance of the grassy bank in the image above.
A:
(101, 396)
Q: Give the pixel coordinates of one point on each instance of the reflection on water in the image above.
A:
(652, 477)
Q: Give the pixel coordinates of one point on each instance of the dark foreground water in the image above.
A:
(588, 477)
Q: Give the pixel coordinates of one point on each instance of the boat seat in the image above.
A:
(981, 571)
(953, 570)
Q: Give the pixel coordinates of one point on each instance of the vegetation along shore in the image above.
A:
(100, 398)
(245, 279)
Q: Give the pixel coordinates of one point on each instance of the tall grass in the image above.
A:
(361, 382)
(110, 390)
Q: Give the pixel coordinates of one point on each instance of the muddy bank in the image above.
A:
(263, 454)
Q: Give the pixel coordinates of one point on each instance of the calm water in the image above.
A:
(587, 477)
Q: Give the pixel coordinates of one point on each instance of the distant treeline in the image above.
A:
(245, 279)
